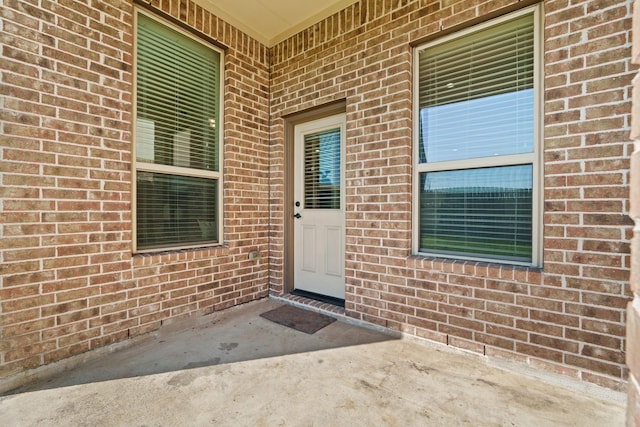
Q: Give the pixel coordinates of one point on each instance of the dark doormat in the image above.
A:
(305, 321)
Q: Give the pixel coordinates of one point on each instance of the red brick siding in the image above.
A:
(568, 318)
(68, 280)
(633, 309)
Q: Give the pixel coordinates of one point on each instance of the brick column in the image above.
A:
(633, 310)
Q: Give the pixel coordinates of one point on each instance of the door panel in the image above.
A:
(309, 248)
(335, 258)
(319, 198)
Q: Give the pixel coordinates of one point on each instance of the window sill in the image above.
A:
(193, 253)
(475, 268)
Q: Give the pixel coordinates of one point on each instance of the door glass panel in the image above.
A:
(322, 170)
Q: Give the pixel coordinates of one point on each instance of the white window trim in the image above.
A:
(175, 170)
(534, 158)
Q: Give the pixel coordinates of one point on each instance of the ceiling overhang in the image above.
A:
(272, 21)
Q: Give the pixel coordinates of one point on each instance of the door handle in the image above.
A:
(297, 215)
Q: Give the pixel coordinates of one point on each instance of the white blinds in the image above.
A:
(482, 82)
(476, 143)
(322, 170)
(490, 62)
(174, 210)
(478, 212)
(177, 98)
(177, 143)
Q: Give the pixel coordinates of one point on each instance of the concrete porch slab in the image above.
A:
(234, 368)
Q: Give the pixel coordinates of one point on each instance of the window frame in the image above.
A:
(176, 170)
(534, 158)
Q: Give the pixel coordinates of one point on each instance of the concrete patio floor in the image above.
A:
(234, 368)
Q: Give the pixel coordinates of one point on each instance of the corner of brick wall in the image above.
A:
(568, 318)
(69, 282)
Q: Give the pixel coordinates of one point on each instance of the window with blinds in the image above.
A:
(322, 170)
(177, 139)
(476, 157)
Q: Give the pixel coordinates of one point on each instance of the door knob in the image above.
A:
(297, 215)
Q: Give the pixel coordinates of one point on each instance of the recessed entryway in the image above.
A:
(319, 213)
(314, 263)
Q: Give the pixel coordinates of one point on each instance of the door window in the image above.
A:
(322, 170)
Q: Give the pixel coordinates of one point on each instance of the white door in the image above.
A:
(319, 236)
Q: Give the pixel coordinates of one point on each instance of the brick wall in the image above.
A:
(633, 309)
(68, 280)
(569, 317)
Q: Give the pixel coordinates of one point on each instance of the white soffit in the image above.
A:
(272, 21)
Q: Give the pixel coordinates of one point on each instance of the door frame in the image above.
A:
(290, 122)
